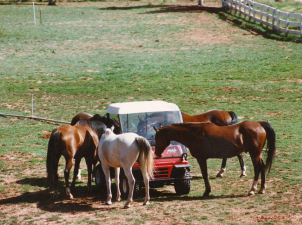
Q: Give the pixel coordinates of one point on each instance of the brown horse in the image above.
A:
(73, 142)
(207, 140)
(220, 118)
(109, 122)
(80, 116)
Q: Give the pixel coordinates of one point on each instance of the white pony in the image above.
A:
(123, 151)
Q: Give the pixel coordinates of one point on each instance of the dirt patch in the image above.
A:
(45, 136)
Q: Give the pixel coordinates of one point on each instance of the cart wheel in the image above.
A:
(183, 187)
(124, 187)
(100, 180)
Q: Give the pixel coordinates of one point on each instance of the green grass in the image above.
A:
(81, 59)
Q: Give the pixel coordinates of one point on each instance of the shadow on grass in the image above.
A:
(82, 201)
(84, 198)
(254, 28)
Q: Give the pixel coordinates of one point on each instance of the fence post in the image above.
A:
(239, 8)
(267, 14)
(249, 10)
(261, 13)
(286, 24)
(273, 19)
(278, 21)
(301, 26)
(244, 2)
(231, 6)
(254, 13)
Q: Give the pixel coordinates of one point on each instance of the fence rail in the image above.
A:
(288, 23)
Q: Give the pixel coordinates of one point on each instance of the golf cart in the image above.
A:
(140, 117)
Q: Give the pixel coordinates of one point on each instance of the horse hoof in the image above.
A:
(261, 191)
(127, 206)
(146, 203)
(206, 195)
(251, 193)
(109, 203)
(118, 199)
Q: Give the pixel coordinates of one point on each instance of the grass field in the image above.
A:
(84, 56)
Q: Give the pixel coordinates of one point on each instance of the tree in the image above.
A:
(52, 2)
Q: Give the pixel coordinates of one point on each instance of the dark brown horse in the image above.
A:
(207, 140)
(73, 142)
(109, 122)
(220, 118)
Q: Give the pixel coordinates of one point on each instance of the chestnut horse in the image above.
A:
(207, 140)
(80, 116)
(73, 142)
(109, 122)
(220, 118)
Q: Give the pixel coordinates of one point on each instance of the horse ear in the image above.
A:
(112, 128)
(156, 130)
(140, 119)
(160, 125)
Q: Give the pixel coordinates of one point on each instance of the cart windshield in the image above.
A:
(142, 123)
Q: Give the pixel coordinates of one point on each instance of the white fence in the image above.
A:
(288, 23)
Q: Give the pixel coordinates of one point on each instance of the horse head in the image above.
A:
(160, 142)
(109, 122)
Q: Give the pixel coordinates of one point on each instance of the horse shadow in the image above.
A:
(45, 201)
(84, 198)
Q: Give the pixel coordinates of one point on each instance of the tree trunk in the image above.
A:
(52, 2)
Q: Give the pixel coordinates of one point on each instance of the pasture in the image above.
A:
(84, 56)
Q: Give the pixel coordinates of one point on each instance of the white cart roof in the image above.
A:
(141, 107)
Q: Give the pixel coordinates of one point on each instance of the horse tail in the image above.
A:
(53, 154)
(234, 118)
(271, 144)
(146, 155)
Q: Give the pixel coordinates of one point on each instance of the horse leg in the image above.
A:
(106, 170)
(262, 189)
(117, 182)
(204, 170)
(242, 166)
(146, 182)
(223, 168)
(75, 172)
(131, 183)
(257, 166)
(79, 177)
(89, 169)
(66, 175)
(55, 177)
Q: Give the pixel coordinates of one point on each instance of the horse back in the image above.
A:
(80, 116)
(218, 117)
(118, 150)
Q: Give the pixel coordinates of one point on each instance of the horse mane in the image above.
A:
(98, 126)
(108, 122)
(234, 118)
